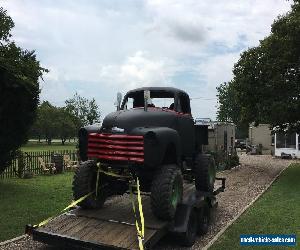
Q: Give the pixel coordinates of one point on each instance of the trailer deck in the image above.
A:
(111, 227)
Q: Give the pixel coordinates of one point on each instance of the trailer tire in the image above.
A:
(205, 173)
(84, 182)
(166, 191)
(188, 238)
(203, 220)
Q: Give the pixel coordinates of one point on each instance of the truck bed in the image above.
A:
(111, 227)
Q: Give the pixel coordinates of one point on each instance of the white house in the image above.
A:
(287, 144)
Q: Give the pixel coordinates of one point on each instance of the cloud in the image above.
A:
(188, 31)
(215, 70)
(137, 70)
(216, 22)
(185, 28)
(97, 48)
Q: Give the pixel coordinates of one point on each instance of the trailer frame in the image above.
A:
(192, 200)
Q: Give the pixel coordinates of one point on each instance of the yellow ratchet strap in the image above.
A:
(73, 203)
(140, 230)
(97, 181)
(111, 173)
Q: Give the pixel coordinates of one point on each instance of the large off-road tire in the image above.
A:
(205, 173)
(166, 191)
(84, 182)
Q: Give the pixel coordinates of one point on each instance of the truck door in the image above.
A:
(185, 125)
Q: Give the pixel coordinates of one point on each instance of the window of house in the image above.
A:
(291, 140)
(285, 140)
(280, 140)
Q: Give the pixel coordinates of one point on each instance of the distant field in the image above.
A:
(34, 145)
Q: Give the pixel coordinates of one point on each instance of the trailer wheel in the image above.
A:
(205, 173)
(166, 191)
(203, 220)
(84, 182)
(188, 238)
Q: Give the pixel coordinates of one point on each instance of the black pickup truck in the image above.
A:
(151, 138)
(152, 135)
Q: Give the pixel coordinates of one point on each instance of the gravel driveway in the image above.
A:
(243, 185)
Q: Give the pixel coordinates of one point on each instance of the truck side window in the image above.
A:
(185, 104)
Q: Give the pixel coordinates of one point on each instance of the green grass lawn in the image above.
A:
(276, 212)
(30, 201)
(33, 146)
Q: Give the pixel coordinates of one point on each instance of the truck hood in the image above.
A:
(137, 117)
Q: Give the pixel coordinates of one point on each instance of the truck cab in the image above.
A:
(162, 116)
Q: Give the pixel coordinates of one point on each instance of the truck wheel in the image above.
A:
(203, 220)
(84, 182)
(188, 238)
(166, 191)
(205, 173)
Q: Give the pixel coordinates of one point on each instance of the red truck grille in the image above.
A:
(116, 147)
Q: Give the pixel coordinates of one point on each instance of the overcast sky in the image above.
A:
(97, 48)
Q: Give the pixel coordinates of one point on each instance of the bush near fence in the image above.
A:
(225, 160)
(31, 163)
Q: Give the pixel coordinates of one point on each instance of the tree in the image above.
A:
(266, 78)
(47, 115)
(66, 127)
(37, 129)
(53, 122)
(86, 111)
(19, 91)
(229, 109)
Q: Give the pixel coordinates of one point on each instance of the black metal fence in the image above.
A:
(31, 164)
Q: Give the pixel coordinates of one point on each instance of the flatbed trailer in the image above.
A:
(113, 226)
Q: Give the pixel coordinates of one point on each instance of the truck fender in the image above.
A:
(156, 143)
(83, 134)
